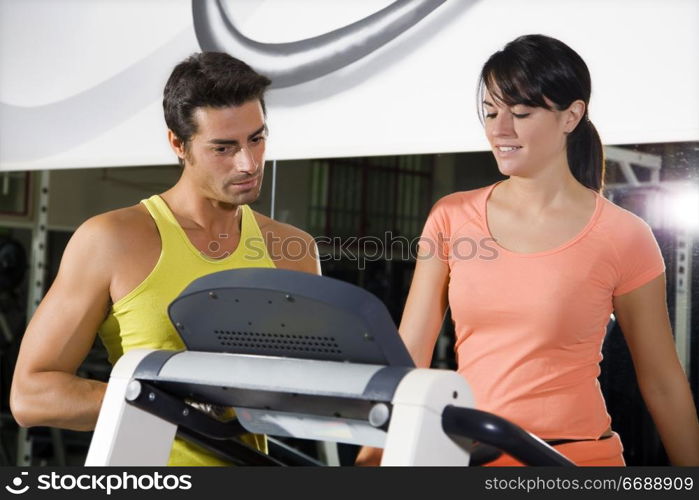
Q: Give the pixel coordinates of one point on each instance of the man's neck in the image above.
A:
(196, 211)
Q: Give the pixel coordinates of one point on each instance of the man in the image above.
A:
(121, 269)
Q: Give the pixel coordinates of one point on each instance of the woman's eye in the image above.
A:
(491, 115)
(520, 115)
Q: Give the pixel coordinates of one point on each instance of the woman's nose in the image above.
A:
(503, 125)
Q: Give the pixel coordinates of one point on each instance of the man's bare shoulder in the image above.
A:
(290, 247)
(117, 229)
(104, 243)
(280, 229)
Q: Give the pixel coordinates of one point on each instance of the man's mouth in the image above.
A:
(246, 184)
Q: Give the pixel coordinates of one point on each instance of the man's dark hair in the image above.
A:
(208, 79)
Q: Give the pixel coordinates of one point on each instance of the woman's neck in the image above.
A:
(536, 194)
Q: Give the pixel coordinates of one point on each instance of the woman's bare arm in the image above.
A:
(420, 324)
(643, 317)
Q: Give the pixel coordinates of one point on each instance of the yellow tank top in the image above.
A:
(140, 320)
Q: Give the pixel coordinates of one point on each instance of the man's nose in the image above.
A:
(245, 161)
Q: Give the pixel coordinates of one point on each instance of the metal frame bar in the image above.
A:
(36, 291)
(683, 253)
(625, 158)
(683, 303)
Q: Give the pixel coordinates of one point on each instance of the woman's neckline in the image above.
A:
(590, 223)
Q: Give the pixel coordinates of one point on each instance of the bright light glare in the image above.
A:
(683, 208)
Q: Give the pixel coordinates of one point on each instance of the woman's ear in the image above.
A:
(574, 114)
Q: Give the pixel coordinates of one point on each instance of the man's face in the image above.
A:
(225, 157)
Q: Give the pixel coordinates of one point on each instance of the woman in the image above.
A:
(554, 260)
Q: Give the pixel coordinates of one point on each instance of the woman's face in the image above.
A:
(526, 140)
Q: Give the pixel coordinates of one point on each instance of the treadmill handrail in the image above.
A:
(492, 430)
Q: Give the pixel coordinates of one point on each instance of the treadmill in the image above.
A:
(295, 355)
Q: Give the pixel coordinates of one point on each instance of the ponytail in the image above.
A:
(586, 155)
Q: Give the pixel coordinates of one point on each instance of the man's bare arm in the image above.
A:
(45, 390)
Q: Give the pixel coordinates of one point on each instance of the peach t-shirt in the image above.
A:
(529, 327)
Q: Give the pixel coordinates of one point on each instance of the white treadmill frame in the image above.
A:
(128, 436)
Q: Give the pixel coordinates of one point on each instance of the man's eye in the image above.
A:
(258, 139)
(221, 149)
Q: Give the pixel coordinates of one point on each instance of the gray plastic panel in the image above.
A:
(151, 365)
(277, 312)
(315, 377)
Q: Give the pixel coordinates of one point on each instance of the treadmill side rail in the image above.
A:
(126, 435)
(415, 434)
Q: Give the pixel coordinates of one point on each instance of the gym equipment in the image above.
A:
(13, 263)
(295, 355)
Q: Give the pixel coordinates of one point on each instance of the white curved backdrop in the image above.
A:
(81, 81)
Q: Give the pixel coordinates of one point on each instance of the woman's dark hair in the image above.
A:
(206, 79)
(532, 67)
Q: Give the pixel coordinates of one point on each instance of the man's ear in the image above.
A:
(176, 144)
(574, 114)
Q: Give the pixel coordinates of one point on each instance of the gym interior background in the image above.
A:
(75, 92)
(382, 197)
